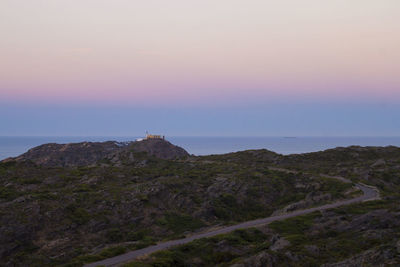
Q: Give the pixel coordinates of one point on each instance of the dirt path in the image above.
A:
(369, 193)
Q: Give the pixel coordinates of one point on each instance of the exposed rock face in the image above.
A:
(262, 259)
(159, 148)
(74, 154)
(279, 244)
(380, 256)
(89, 153)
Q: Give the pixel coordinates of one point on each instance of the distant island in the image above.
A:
(78, 203)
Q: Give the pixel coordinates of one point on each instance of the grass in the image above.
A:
(294, 229)
(362, 208)
(179, 223)
(208, 251)
(8, 193)
(104, 254)
(77, 214)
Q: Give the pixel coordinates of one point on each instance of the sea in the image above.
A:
(16, 145)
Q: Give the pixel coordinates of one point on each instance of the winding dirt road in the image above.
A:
(369, 193)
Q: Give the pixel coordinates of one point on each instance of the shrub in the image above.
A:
(179, 223)
(77, 215)
(8, 193)
(114, 235)
(295, 227)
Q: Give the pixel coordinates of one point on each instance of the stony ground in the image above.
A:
(364, 234)
(69, 214)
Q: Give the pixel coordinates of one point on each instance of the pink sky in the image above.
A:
(197, 51)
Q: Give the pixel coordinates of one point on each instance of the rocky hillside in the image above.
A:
(90, 153)
(54, 211)
(378, 166)
(355, 236)
(74, 154)
(363, 234)
(158, 148)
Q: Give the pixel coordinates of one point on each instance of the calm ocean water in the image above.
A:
(14, 146)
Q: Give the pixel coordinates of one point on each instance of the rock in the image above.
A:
(279, 244)
(262, 259)
(378, 163)
(291, 256)
(312, 249)
(159, 148)
(74, 154)
(374, 257)
(20, 199)
(310, 200)
(90, 153)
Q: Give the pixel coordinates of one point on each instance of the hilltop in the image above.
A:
(90, 153)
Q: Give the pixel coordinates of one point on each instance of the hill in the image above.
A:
(78, 203)
(90, 153)
(364, 234)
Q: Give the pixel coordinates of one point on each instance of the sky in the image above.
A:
(198, 68)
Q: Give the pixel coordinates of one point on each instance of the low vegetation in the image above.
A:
(347, 236)
(221, 250)
(71, 215)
